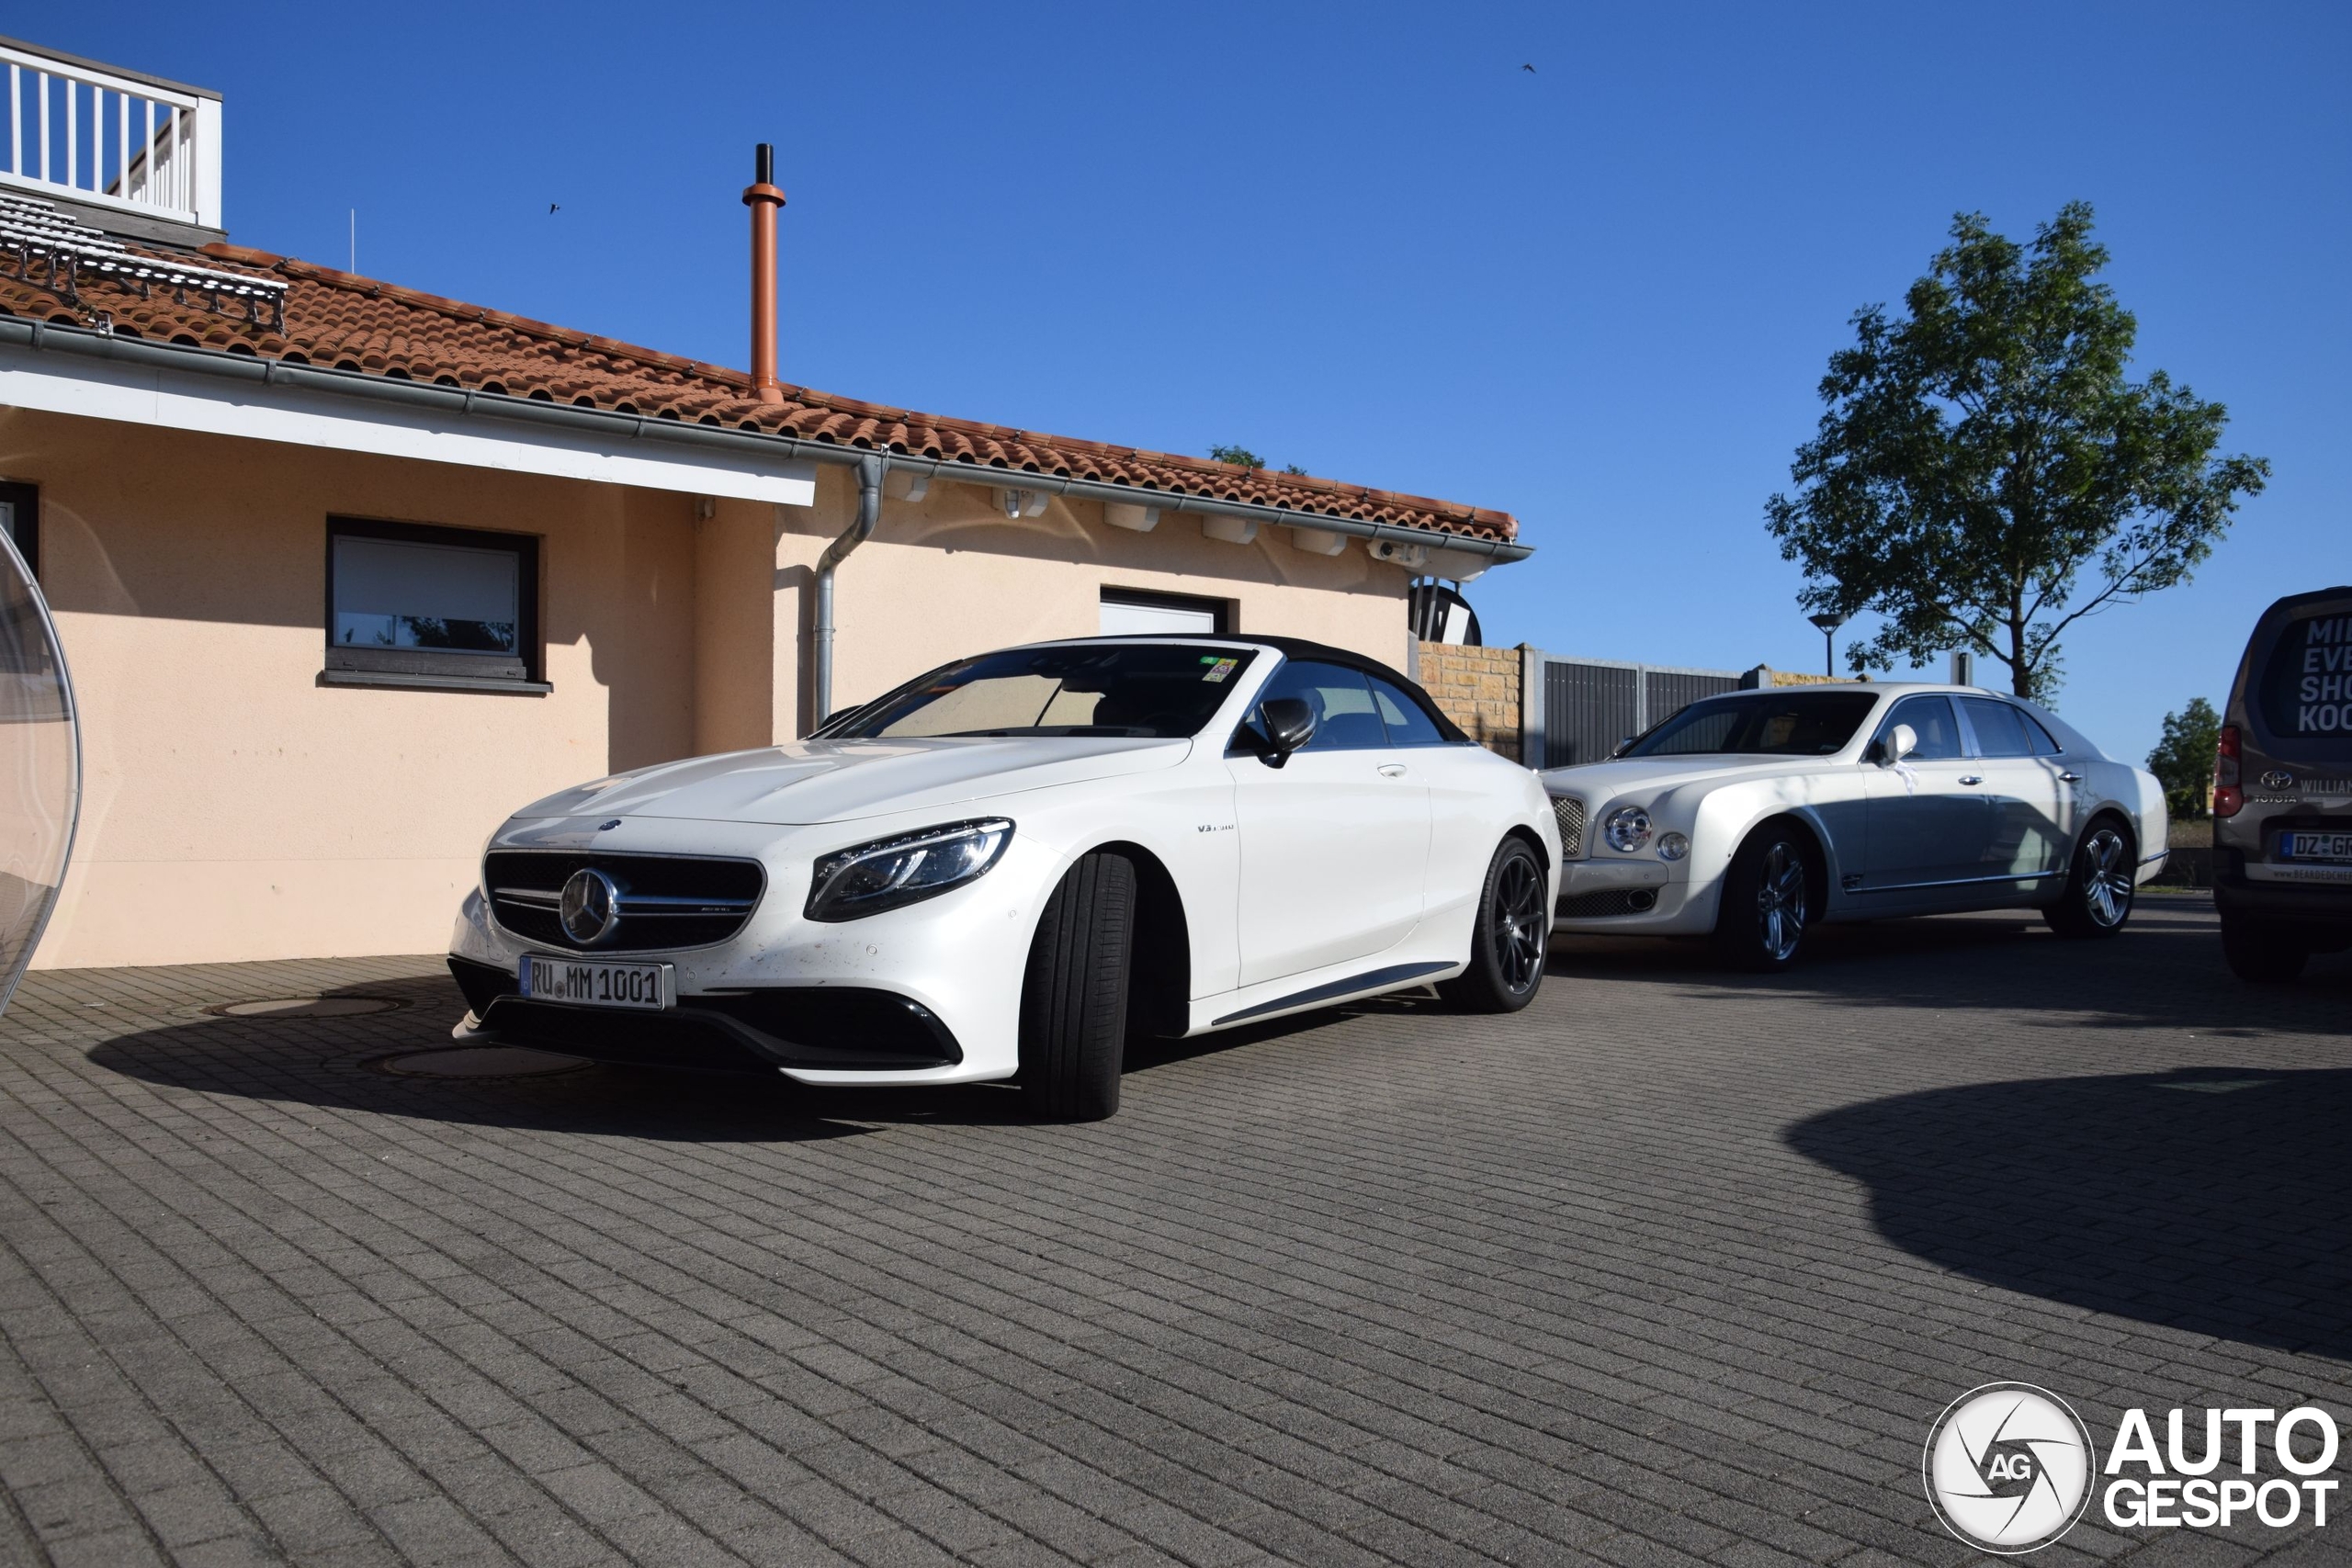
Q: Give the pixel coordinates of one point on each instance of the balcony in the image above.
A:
(133, 154)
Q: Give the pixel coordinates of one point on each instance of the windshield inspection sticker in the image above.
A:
(1218, 668)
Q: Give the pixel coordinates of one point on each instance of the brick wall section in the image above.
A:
(1478, 689)
(1794, 677)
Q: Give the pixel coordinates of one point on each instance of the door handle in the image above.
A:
(1971, 778)
(2070, 778)
(1392, 770)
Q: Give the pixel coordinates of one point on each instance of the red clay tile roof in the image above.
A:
(358, 324)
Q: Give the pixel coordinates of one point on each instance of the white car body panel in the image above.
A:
(1342, 874)
(1895, 845)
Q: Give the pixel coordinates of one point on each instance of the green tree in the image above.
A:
(2183, 760)
(1985, 476)
(1239, 456)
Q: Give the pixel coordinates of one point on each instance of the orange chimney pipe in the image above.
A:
(762, 197)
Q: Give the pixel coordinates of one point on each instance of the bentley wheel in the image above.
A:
(2098, 896)
(1074, 996)
(1508, 939)
(1768, 900)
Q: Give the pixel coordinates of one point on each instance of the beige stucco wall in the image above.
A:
(235, 808)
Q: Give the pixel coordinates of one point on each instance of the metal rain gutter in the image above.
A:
(870, 469)
(22, 331)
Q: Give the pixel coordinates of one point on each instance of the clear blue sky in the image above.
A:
(1363, 240)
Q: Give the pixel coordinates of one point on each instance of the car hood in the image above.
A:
(838, 781)
(1598, 782)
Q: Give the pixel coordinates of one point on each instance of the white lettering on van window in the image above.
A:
(2332, 629)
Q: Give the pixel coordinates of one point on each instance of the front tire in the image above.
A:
(1508, 939)
(1766, 900)
(2099, 886)
(2260, 955)
(1074, 996)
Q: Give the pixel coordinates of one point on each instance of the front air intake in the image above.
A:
(665, 901)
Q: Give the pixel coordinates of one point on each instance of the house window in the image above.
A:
(1126, 611)
(436, 604)
(21, 520)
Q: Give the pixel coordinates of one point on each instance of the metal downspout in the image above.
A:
(869, 513)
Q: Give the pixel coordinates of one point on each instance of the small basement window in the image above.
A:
(1126, 611)
(432, 607)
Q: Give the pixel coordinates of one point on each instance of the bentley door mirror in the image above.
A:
(1289, 724)
(1901, 742)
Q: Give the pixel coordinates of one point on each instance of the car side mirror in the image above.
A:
(1900, 743)
(1289, 724)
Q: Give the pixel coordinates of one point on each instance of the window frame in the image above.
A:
(1221, 609)
(26, 499)
(351, 666)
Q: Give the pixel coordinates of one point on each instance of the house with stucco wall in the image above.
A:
(344, 571)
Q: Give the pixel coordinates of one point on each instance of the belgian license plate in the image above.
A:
(645, 987)
(2322, 846)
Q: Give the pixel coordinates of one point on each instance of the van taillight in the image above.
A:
(2228, 797)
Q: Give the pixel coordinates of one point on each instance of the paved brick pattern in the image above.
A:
(1674, 1267)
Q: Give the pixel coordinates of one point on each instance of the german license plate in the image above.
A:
(2322, 846)
(648, 987)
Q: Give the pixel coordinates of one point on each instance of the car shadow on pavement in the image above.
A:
(2210, 1200)
(2164, 971)
(339, 1063)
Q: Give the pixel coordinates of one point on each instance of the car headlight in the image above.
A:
(1627, 829)
(1672, 846)
(891, 873)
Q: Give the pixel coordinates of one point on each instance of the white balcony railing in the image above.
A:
(130, 143)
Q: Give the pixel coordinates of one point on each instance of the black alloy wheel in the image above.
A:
(1511, 937)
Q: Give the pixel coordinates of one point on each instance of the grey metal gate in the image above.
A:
(1587, 706)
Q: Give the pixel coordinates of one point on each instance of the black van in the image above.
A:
(2283, 791)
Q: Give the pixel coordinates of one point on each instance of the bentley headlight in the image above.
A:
(891, 873)
(1672, 846)
(1627, 829)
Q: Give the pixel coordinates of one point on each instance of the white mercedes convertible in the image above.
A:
(1005, 867)
(1753, 816)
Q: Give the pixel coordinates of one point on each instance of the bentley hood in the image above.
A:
(1598, 782)
(839, 781)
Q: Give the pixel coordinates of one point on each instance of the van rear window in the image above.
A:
(2307, 690)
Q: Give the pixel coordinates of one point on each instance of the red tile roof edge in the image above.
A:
(336, 317)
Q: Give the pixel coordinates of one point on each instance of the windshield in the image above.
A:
(1771, 724)
(1151, 689)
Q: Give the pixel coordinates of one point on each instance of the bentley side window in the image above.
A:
(2000, 729)
(1932, 720)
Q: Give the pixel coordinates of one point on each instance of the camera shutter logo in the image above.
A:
(591, 907)
(2009, 1468)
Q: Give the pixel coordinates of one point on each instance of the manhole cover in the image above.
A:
(304, 1007)
(478, 1062)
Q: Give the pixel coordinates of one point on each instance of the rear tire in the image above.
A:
(2260, 955)
(1074, 994)
(2099, 884)
(1509, 937)
(1766, 900)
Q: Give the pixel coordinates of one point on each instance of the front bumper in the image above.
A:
(1636, 897)
(929, 993)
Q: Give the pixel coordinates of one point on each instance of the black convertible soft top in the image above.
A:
(1299, 648)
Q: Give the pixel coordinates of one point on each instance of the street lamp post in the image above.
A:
(1828, 621)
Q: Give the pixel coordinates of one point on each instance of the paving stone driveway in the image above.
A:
(1673, 1267)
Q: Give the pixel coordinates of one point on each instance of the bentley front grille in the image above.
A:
(664, 901)
(1570, 811)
